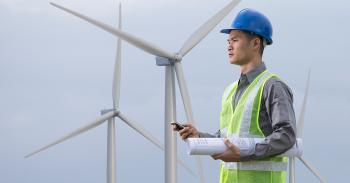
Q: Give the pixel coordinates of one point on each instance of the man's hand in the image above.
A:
(189, 131)
(232, 154)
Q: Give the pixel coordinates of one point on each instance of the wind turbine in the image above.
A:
(172, 63)
(300, 128)
(109, 115)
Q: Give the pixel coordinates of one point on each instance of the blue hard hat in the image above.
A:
(252, 21)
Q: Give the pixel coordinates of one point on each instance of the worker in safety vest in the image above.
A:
(258, 105)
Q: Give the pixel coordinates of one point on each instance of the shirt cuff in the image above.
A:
(247, 154)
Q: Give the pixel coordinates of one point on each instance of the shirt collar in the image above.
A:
(251, 75)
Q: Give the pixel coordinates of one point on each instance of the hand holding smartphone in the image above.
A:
(178, 125)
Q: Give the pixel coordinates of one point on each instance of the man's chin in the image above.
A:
(234, 62)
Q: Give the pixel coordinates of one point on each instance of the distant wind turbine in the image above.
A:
(300, 128)
(109, 115)
(172, 63)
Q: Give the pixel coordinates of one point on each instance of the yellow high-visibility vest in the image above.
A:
(243, 121)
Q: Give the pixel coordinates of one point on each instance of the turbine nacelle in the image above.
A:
(163, 61)
(116, 111)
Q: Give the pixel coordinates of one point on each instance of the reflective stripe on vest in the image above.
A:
(257, 165)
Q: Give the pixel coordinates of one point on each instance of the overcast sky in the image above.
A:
(56, 76)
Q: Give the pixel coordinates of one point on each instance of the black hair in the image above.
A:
(252, 35)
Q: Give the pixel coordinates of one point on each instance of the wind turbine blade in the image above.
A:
(186, 167)
(188, 109)
(138, 42)
(150, 137)
(184, 91)
(140, 130)
(197, 36)
(300, 127)
(117, 67)
(199, 163)
(91, 125)
(312, 169)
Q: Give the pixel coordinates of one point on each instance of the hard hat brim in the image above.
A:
(226, 31)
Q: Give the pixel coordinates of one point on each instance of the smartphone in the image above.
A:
(178, 125)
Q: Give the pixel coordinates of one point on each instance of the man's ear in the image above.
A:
(255, 43)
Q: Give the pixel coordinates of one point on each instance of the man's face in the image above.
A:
(239, 50)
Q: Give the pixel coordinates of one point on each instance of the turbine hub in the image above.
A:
(116, 112)
(177, 57)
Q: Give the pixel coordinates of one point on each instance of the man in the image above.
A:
(259, 105)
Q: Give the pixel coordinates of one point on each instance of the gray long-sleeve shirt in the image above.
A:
(276, 116)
